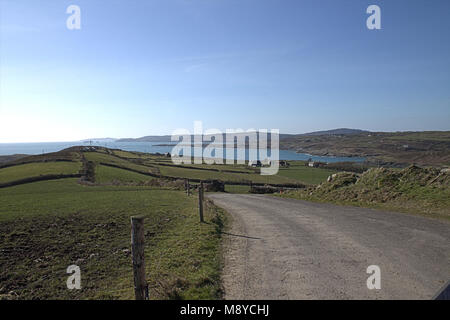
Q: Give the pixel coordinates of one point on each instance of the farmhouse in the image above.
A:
(315, 164)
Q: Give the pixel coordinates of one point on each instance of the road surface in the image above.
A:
(291, 249)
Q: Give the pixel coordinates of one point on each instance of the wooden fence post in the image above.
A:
(137, 252)
(188, 187)
(200, 201)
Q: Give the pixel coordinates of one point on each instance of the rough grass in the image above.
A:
(47, 226)
(424, 191)
(237, 189)
(105, 174)
(37, 169)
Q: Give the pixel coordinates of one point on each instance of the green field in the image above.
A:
(38, 169)
(47, 226)
(99, 157)
(163, 166)
(225, 176)
(237, 189)
(105, 174)
(308, 175)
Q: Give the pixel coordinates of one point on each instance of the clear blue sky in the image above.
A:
(148, 67)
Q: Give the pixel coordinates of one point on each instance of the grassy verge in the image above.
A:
(237, 189)
(47, 226)
(423, 191)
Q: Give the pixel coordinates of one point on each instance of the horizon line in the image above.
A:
(165, 135)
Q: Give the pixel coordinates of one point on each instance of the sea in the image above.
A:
(152, 147)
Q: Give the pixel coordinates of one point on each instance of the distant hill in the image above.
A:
(428, 148)
(147, 139)
(340, 131)
(167, 138)
(99, 140)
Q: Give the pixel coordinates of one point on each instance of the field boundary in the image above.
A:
(40, 178)
(8, 165)
(237, 183)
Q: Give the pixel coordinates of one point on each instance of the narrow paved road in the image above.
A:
(291, 249)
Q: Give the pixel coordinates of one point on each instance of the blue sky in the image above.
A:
(148, 67)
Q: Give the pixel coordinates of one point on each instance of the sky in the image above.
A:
(148, 67)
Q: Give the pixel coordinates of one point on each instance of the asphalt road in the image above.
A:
(291, 249)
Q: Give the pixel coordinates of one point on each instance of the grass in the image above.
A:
(37, 169)
(236, 189)
(160, 164)
(47, 226)
(105, 174)
(306, 174)
(423, 191)
(98, 157)
(127, 154)
(225, 176)
(239, 168)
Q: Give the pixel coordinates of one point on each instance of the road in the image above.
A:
(292, 249)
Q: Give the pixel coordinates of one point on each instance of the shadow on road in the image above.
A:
(241, 236)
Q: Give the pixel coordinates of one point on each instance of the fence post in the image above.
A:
(137, 252)
(200, 201)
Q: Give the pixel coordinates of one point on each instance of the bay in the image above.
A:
(150, 147)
